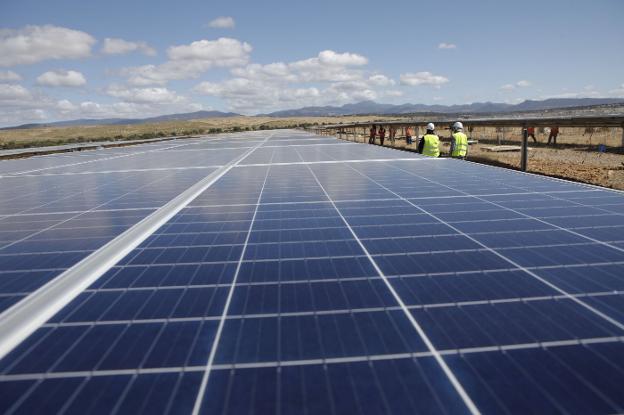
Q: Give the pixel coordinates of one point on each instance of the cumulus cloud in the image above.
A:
(422, 78)
(520, 84)
(223, 22)
(154, 95)
(327, 66)
(13, 93)
(245, 95)
(190, 61)
(61, 78)
(9, 76)
(329, 78)
(32, 44)
(444, 45)
(113, 46)
(381, 80)
(221, 52)
(329, 57)
(19, 105)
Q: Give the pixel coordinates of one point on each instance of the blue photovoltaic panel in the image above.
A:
(320, 276)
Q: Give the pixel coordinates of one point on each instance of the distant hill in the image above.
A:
(359, 108)
(118, 121)
(371, 107)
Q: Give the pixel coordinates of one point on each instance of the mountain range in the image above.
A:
(371, 107)
(359, 108)
(123, 121)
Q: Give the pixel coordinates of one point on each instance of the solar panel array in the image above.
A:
(315, 276)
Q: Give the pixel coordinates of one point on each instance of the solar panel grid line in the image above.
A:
(399, 216)
(213, 350)
(350, 310)
(103, 288)
(447, 371)
(216, 166)
(306, 362)
(418, 198)
(422, 274)
(95, 160)
(23, 318)
(20, 194)
(525, 214)
(35, 214)
(535, 218)
(551, 195)
(160, 233)
(69, 196)
(514, 263)
(82, 213)
(297, 163)
(542, 176)
(157, 246)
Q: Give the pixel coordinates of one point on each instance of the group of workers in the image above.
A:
(429, 144)
(552, 136)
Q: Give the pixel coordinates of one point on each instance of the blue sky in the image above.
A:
(162, 57)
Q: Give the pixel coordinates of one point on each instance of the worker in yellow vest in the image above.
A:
(429, 144)
(459, 142)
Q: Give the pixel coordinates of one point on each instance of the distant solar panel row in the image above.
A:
(319, 276)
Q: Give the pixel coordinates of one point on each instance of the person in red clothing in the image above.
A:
(392, 134)
(382, 134)
(408, 135)
(531, 133)
(373, 133)
(554, 132)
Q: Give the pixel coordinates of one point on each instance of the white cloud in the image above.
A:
(19, 106)
(221, 52)
(244, 95)
(32, 44)
(329, 57)
(154, 95)
(113, 46)
(381, 80)
(520, 84)
(65, 106)
(330, 78)
(190, 61)
(9, 76)
(13, 93)
(224, 22)
(444, 45)
(327, 66)
(393, 93)
(617, 92)
(422, 78)
(61, 78)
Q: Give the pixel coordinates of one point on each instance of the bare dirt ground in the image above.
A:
(574, 158)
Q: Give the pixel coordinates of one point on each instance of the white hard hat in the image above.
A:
(430, 126)
(458, 126)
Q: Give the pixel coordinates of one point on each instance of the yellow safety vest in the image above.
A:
(431, 146)
(461, 145)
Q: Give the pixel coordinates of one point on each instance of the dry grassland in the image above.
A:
(61, 135)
